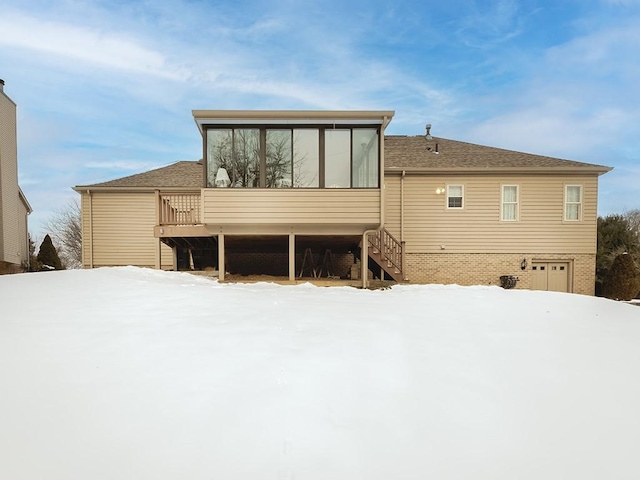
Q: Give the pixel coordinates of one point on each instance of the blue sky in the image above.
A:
(106, 89)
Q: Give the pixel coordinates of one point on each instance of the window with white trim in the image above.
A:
(455, 196)
(510, 201)
(573, 202)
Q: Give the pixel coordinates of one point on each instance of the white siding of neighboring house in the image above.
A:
(23, 215)
(12, 233)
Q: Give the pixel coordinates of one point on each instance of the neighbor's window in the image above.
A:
(510, 203)
(573, 202)
(455, 196)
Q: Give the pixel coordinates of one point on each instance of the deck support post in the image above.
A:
(174, 250)
(364, 257)
(158, 254)
(221, 265)
(404, 260)
(292, 257)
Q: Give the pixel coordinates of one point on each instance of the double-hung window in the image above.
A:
(573, 202)
(510, 202)
(455, 196)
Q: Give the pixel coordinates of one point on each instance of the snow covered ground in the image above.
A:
(127, 373)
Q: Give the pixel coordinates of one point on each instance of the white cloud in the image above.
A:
(490, 25)
(123, 165)
(75, 43)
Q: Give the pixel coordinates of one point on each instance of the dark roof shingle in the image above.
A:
(417, 152)
(180, 174)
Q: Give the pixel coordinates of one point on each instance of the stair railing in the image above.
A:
(390, 249)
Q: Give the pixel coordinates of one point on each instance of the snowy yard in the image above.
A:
(127, 373)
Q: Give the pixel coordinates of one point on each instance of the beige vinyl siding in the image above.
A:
(12, 235)
(85, 209)
(430, 227)
(228, 206)
(117, 229)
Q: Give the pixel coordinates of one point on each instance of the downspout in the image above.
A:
(402, 206)
(402, 242)
(90, 228)
(364, 253)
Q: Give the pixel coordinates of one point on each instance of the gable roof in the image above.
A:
(417, 153)
(183, 174)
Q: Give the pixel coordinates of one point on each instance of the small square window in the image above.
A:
(455, 196)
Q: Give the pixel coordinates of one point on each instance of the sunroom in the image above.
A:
(283, 174)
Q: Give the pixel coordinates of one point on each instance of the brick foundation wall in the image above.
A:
(486, 269)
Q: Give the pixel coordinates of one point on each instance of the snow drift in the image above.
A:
(141, 374)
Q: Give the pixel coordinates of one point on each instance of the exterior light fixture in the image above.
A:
(439, 190)
(523, 264)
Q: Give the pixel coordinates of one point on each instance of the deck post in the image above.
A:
(174, 250)
(292, 257)
(158, 254)
(364, 258)
(404, 261)
(221, 265)
(158, 208)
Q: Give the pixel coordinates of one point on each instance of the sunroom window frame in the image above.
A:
(320, 127)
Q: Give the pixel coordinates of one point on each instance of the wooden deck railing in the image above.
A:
(179, 208)
(391, 249)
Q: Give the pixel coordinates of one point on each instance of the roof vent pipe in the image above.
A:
(1, 85)
(428, 136)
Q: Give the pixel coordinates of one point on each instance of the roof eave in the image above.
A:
(121, 188)
(299, 117)
(23, 197)
(566, 170)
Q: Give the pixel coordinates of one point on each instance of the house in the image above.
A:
(299, 193)
(14, 207)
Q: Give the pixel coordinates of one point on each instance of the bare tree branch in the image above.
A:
(65, 229)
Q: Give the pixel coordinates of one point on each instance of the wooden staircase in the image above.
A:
(388, 253)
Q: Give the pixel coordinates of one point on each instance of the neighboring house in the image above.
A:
(294, 193)
(14, 207)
